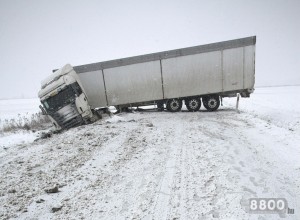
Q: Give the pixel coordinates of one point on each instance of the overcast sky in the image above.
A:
(37, 36)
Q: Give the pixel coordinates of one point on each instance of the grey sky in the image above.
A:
(37, 36)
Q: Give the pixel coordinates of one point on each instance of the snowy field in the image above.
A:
(13, 108)
(160, 165)
(17, 110)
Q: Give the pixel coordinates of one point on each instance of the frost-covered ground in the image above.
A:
(17, 111)
(161, 165)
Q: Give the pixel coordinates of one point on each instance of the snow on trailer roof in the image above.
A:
(167, 54)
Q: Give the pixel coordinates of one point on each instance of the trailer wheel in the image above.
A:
(193, 104)
(174, 105)
(211, 103)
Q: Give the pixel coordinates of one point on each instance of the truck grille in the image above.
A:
(68, 116)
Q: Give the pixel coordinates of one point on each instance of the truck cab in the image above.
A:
(64, 100)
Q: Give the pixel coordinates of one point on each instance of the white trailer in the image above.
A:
(208, 73)
(220, 69)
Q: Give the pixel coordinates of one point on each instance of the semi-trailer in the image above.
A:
(71, 95)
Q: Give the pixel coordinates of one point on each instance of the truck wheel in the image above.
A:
(211, 103)
(174, 105)
(193, 104)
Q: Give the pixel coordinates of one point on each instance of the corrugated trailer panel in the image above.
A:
(94, 87)
(249, 69)
(133, 83)
(192, 75)
(233, 69)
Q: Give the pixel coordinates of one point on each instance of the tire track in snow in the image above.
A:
(160, 208)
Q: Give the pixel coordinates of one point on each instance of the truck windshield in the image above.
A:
(60, 100)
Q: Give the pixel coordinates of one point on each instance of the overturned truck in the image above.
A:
(166, 79)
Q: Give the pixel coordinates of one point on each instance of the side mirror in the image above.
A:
(43, 110)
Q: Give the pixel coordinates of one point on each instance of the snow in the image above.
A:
(18, 110)
(276, 104)
(12, 108)
(114, 119)
(161, 165)
(10, 139)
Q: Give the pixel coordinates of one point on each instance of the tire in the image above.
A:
(174, 105)
(193, 104)
(211, 103)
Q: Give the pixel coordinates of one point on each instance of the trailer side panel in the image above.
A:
(192, 75)
(133, 83)
(249, 67)
(233, 69)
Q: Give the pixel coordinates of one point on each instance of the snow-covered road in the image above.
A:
(161, 165)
